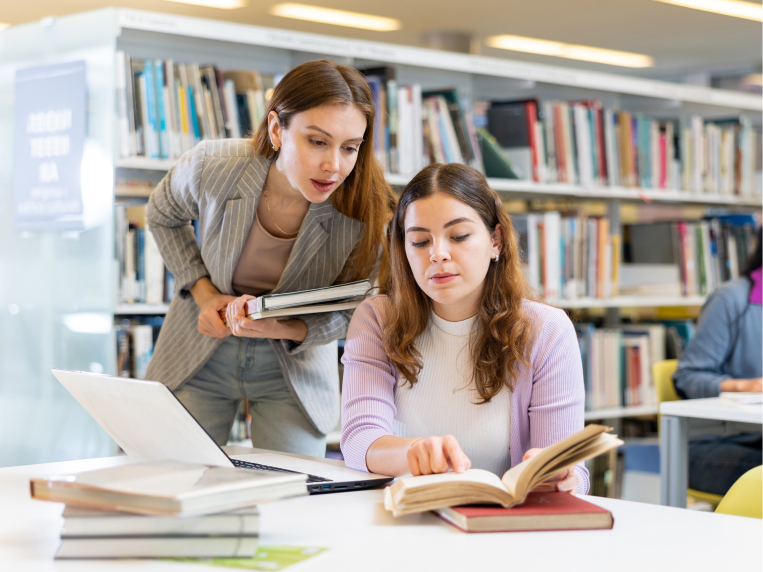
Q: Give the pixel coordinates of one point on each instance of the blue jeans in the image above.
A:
(716, 462)
(247, 368)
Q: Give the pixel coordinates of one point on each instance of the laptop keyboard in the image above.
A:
(258, 467)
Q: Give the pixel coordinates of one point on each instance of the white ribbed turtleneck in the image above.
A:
(444, 400)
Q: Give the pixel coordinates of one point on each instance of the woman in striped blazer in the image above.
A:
(302, 205)
(456, 367)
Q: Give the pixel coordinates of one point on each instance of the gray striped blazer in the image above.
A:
(219, 184)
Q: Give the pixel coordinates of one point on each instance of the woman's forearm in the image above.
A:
(202, 290)
(388, 455)
(741, 385)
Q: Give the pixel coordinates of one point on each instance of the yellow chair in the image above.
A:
(662, 371)
(745, 497)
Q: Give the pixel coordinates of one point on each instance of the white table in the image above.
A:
(678, 418)
(362, 536)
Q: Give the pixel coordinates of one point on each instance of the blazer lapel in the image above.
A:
(312, 236)
(237, 221)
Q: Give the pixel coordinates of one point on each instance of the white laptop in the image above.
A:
(149, 423)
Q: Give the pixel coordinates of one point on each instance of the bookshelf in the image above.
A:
(86, 259)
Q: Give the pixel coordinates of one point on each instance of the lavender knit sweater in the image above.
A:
(545, 406)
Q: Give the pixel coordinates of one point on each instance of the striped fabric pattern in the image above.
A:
(546, 405)
(219, 184)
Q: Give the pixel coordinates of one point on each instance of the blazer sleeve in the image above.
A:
(557, 403)
(172, 207)
(321, 329)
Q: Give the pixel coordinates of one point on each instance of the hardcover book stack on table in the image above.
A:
(93, 533)
(164, 509)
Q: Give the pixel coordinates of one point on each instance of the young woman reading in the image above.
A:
(455, 367)
(300, 206)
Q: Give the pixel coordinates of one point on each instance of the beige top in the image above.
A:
(262, 261)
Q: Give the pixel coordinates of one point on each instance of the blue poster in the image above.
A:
(49, 139)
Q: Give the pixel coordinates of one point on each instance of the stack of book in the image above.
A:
(92, 533)
(174, 509)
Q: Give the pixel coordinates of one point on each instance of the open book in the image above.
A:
(429, 492)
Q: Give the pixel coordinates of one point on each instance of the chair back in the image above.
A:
(745, 497)
(662, 372)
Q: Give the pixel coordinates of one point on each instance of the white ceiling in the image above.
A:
(680, 40)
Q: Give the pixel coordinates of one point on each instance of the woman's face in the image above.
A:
(449, 250)
(319, 148)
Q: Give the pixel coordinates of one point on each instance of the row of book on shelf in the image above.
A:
(617, 361)
(567, 256)
(166, 107)
(143, 277)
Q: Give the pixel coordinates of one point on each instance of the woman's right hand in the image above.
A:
(436, 455)
(748, 385)
(211, 303)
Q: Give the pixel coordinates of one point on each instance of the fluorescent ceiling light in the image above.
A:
(335, 17)
(570, 51)
(735, 8)
(222, 4)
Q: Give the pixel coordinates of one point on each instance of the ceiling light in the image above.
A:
(4, 25)
(222, 4)
(735, 8)
(570, 51)
(335, 17)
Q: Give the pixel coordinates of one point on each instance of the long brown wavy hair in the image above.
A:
(364, 195)
(503, 330)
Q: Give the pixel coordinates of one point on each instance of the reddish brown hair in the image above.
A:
(503, 330)
(364, 195)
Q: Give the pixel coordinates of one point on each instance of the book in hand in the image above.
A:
(540, 511)
(169, 488)
(317, 300)
(475, 486)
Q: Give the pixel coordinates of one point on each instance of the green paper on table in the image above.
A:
(266, 558)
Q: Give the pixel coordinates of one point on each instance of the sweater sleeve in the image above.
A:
(172, 207)
(368, 388)
(557, 402)
(700, 369)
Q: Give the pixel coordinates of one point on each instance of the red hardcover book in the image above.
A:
(531, 110)
(541, 511)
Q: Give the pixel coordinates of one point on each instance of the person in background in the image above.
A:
(302, 205)
(455, 367)
(726, 354)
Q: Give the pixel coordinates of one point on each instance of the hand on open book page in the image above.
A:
(564, 481)
(272, 328)
(436, 455)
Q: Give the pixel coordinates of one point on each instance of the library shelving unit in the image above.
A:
(62, 312)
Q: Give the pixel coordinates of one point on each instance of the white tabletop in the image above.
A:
(362, 536)
(713, 408)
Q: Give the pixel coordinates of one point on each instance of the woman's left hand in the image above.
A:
(564, 481)
(241, 326)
